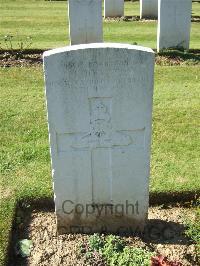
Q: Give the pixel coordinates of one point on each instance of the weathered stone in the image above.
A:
(174, 23)
(148, 9)
(85, 21)
(99, 100)
(113, 8)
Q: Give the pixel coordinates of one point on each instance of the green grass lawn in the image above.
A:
(24, 155)
(25, 161)
(47, 23)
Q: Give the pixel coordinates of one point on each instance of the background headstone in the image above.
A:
(85, 21)
(99, 100)
(148, 8)
(113, 8)
(174, 23)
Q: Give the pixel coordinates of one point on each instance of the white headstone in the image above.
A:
(174, 23)
(113, 8)
(99, 100)
(85, 21)
(148, 8)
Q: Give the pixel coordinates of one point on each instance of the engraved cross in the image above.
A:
(100, 136)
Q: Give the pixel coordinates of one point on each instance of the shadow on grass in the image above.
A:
(157, 231)
(23, 211)
(192, 54)
(195, 18)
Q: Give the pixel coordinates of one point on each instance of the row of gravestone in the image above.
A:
(174, 20)
(99, 103)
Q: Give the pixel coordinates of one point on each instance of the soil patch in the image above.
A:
(124, 18)
(145, 20)
(177, 57)
(13, 59)
(34, 58)
(164, 235)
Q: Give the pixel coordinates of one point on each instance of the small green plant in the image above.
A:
(24, 247)
(95, 242)
(112, 250)
(92, 250)
(134, 256)
(15, 45)
(115, 243)
(193, 229)
(117, 253)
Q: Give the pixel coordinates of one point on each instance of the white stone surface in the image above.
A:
(148, 8)
(174, 23)
(113, 8)
(99, 101)
(85, 21)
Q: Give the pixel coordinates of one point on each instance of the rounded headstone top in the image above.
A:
(96, 46)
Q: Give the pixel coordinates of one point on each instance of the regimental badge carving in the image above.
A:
(101, 133)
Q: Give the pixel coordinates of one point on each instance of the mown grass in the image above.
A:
(193, 229)
(25, 161)
(24, 155)
(47, 23)
(175, 148)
